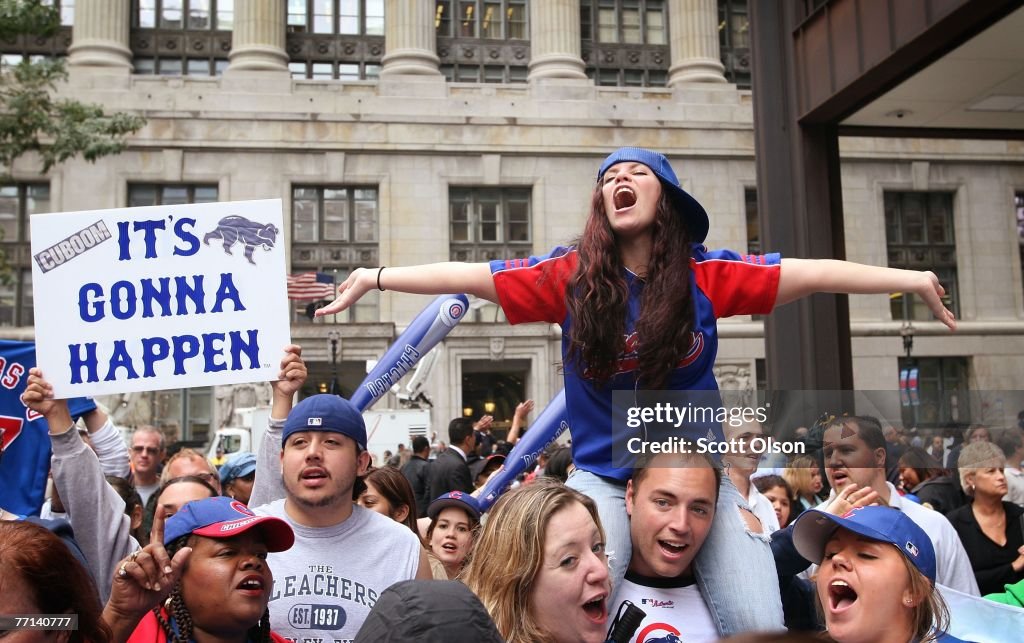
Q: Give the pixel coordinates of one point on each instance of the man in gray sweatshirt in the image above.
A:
(344, 556)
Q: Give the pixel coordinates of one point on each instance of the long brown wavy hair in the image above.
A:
(597, 297)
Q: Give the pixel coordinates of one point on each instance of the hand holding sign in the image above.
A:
(38, 396)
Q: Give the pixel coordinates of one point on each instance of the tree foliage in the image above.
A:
(32, 118)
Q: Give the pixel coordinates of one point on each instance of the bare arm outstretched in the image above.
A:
(428, 279)
(803, 277)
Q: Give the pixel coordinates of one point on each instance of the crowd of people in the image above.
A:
(306, 541)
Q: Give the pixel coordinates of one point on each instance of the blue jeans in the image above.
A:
(735, 570)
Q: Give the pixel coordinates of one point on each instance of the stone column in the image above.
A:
(693, 29)
(99, 37)
(258, 39)
(555, 40)
(409, 39)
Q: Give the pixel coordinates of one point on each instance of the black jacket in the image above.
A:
(428, 611)
(939, 494)
(449, 472)
(990, 562)
(416, 471)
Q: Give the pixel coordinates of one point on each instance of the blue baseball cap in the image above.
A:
(694, 216)
(458, 499)
(238, 465)
(221, 517)
(814, 528)
(326, 412)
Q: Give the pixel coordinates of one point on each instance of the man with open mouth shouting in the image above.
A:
(671, 503)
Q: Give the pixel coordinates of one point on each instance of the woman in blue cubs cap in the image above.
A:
(454, 521)
(207, 577)
(876, 580)
(638, 298)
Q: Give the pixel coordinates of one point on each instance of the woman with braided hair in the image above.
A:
(205, 579)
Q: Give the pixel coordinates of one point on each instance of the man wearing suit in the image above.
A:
(417, 472)
(450, 471)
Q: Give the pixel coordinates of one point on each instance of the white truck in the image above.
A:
(245, 434)
(388, 428)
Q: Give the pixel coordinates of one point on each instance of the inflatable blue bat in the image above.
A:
(429, 328)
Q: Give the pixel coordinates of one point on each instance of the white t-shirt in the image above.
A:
(673, 606)
(763, 509)
(147, 490)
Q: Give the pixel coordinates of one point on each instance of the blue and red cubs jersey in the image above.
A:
(25, 463)
(722, 283)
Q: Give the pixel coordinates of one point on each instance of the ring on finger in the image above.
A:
(123, 570)
(134, 555)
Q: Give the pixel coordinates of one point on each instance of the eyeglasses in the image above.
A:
(209, 477)
(149, 450)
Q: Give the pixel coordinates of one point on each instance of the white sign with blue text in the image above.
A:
(172, 296)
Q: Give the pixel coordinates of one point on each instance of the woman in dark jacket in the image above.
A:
(923, 476)
(991, 530)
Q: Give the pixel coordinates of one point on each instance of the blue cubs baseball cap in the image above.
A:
(221, 517)
(326, 412)
(238, 465)
(458, 499)
(693, 213)
(814, 528)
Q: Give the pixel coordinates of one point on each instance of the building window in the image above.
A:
(734, 41)
(942, 391)
(919, 236)
(489, 223)
(19, 201)
(335, 39)
(181, 37)
(186, 413)
(140, 194)
(334, 231)
(625, 42)
(753, 225)
(66, 9)
(490, 19)
(19, 46)
(192, 15)
(483, 41)
(335, 71)
(345, 17)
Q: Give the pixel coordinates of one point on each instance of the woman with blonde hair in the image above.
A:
(991, 530)
(876, 580)
(804, 476)
(549, 583)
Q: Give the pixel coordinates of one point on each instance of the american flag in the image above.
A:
(310, 286)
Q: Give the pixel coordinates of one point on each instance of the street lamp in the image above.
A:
(334, 337)
(907, 333)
